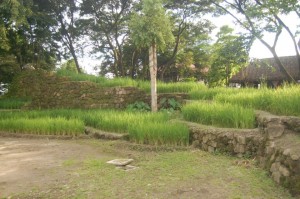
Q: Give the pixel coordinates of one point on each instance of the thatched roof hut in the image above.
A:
(267, 70)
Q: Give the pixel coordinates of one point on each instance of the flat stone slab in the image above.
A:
(120, 162)
(127, 167)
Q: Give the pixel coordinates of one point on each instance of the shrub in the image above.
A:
(139, 106)
(169, 104)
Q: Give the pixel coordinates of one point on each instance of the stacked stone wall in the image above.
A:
(49, 91)
(275, 145)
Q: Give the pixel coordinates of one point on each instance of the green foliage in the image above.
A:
(230, 54)
(152, 26)
(27, 36)
(169, 104)
(139, 106)
(189, 79)
(69, 66)
(219, 114)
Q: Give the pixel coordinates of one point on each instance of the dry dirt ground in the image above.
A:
(36, 163)
(43, 168)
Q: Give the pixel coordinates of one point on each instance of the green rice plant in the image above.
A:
(282, 101)
(105, 82)
(12, 103)
(206, 93)
(43, 126)
(220, 115)
(173, 87)
(257, 99)
(119, 121)
(286, 101)
(159, 133)
(179, 87)
(154, 127)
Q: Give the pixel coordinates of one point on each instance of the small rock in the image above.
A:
(211, 149)
(120, 162)
(295, 157)
(284, 171)
(127, 167)
(274, 167)
(275, 130)
(286, 152)
(276, 176)
(241, 139)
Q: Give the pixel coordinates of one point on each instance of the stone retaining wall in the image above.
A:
(275, 144)
(47, 90)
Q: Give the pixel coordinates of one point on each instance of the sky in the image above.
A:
(284, 47)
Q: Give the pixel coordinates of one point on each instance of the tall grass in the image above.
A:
(105, 82)
(12, 103)
(43, 126)
(172, 87)
(282, 101)
(155, 128)
(159, 133)
(182, 87)
(219, 114)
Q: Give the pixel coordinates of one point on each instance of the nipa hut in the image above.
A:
(267, 71)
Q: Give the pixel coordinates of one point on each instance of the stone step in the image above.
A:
(99, 134)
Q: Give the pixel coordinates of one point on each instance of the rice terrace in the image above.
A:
(62, 152)
(149, 99)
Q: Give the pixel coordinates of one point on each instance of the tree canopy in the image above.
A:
(119, 33)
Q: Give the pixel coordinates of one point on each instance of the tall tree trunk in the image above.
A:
(73, 53)
(153, 72)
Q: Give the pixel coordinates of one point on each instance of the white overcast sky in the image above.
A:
(284, 47)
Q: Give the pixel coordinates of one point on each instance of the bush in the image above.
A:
(139, 106)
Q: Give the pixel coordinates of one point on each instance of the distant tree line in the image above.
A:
(43, 32)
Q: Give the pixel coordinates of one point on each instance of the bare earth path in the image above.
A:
(42, 168)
